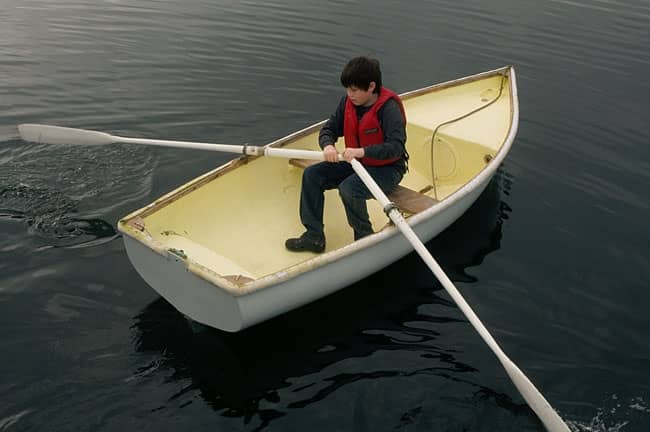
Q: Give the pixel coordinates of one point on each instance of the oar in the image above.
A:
(62, 135)
(535, 399)
(47, 134)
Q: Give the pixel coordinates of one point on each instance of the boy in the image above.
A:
(372, 121)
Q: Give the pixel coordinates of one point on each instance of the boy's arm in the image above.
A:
(333, 128)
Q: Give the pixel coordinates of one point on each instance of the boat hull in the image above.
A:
(210, 305)
(214, 268)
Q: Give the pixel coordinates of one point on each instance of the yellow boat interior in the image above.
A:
(235, 219)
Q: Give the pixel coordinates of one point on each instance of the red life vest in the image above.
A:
(367, 131)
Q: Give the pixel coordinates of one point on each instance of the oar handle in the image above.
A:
(295, 153)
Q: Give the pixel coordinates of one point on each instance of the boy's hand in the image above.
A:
(330, 154)
(353, 153)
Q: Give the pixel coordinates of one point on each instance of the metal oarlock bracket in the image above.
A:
(390, 207)
(250, 150)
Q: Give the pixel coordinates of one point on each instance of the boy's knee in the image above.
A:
(353, 189)
(310, 174)
(348, 191)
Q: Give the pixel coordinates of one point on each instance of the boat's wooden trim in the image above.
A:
(465, 80)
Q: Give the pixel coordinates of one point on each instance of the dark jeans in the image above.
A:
(322, 176)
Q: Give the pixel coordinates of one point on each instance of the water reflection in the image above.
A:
(280, 363)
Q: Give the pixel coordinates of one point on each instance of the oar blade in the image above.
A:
(45, 134)
(549, 417)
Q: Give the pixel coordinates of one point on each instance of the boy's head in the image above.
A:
(360, 72)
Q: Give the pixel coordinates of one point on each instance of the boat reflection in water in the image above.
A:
(264, 371)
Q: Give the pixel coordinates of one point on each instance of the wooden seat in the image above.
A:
(410, 201)
(406, 199)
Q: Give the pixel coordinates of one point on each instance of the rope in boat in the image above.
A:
(433, 136)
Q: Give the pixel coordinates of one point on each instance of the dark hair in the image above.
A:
(360, 72)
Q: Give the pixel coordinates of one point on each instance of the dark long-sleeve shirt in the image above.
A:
(392, 125)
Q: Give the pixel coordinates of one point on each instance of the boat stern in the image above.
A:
(188, 286)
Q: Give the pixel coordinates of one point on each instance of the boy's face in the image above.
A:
(361, 97)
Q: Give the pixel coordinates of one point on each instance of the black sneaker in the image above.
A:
(304, 243)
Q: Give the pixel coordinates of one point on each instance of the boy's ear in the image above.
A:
(372, 86)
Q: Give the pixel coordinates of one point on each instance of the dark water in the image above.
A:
(553, 257)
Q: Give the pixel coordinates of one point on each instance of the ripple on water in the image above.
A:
(608, 417)
(69, 196)
(9, 421)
